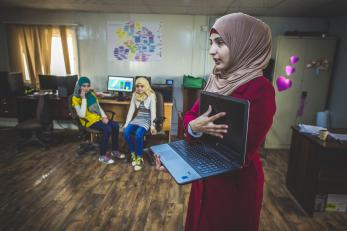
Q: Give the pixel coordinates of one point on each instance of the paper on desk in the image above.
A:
(336, 136)
(314, 130)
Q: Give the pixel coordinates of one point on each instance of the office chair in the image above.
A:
(159, 120)
(86, 135)
(35, 127)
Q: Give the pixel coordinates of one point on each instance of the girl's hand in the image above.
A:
(153, 131)
(83, 93)
(205, 124)
(158, 164)
(105, 120)
(122, 129)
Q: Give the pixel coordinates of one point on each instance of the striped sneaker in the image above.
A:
(138, 164)
(133, 158)
(117, 154)
(106, 159)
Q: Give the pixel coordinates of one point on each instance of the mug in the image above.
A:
(323, 134)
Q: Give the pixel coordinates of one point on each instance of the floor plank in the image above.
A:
(59, 190)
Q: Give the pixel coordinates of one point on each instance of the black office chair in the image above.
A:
(159, 120)
(34, 128)
(86, 135)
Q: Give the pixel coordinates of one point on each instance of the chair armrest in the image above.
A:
(159, 122)
(112, 114)
(85, 122)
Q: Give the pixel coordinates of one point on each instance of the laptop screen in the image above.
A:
(236, 118)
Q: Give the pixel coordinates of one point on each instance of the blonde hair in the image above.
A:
(147, 89)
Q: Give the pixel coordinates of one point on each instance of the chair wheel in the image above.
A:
(44, 148)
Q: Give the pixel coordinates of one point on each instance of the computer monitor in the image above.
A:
(48, 82)
(66, 84)
(16, 83)
(120, 83)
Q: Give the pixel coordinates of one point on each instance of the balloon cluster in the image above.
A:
(282, 82)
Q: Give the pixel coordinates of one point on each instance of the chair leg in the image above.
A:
(148, 156)
(34, 138)
(87, 147)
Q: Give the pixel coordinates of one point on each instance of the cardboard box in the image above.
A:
(336, 202)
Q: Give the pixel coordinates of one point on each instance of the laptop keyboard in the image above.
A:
(201, 157)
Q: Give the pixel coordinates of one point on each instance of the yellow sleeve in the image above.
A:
(76, 101)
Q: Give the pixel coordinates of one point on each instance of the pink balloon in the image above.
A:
(294, 59)
(289, 70)
(283, 83)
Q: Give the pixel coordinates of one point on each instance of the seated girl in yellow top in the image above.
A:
(87, 106)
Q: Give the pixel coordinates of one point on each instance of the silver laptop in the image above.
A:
(208, 156)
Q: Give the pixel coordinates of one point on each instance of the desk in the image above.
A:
(121, 109)
(26, 107)
(315, 167)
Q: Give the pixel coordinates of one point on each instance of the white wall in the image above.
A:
(338, 94)
(185, 46)
(279, 25)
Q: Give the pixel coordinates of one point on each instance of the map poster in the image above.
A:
(134, 41)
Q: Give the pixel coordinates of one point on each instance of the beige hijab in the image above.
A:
(147, 89)
(249, 43)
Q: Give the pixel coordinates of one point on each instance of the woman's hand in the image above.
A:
(158, 164)
(205, 124)
(105, 120)
(153, 131)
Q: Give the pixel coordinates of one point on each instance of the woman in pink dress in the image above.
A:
(241, 49)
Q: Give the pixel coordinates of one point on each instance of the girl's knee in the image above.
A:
(139, 135)
(108, 130)
(127, 133)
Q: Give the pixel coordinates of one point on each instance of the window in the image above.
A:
(57, 56)
(57, 64)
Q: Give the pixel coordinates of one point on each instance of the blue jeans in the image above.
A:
(139, 134)
(111, 128)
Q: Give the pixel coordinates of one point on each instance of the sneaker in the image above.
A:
(138, 164)
(106, 159)
(133, 159)
(117, 154)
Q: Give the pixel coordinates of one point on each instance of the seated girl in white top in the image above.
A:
(144, 100)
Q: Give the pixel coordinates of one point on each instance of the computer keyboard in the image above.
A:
(201, 157)
(108, 97)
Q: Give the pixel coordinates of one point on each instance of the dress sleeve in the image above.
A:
(190, 115)
(262, 110)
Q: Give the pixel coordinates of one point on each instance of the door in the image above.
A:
(304, 82)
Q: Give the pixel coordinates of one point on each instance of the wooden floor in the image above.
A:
(58, 190)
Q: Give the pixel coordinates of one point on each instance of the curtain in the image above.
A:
(64, 42)
(15, 38)
(34, 43)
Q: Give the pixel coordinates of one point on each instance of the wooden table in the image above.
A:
(121, 109)
(316, 167)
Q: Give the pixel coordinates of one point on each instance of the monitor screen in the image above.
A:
(48, 82)
(120, 83)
